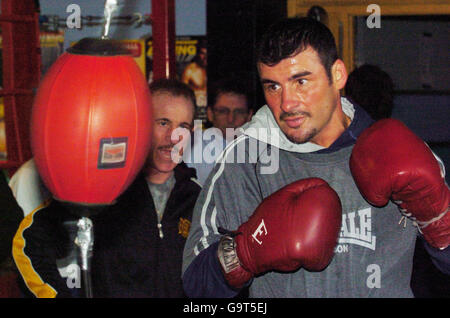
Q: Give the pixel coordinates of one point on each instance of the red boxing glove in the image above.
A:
(390, 162)
(297, 226)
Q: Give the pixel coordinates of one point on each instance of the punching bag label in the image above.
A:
(112, 153)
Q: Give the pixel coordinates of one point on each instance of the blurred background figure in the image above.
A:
(228, 108)
(229, 104)
(373, 89)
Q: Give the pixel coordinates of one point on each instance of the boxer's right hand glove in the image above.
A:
(297, 226)
(389, 161)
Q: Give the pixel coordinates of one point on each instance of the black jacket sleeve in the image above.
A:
(204, 278)
(36, 247)
(10, 216)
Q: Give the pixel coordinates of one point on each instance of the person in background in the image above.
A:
(229, 104)
(371, 88)
(138, 241)
(228, 109)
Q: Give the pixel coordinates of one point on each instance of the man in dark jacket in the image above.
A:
(138, 241)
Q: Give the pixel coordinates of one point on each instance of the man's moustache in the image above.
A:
(286, 115)
(169, 147)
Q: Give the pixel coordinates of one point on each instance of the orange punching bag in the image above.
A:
(91, 123)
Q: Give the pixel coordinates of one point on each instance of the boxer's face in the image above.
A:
(304, 103)
(169, 113)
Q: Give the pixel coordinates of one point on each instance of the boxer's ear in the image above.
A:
(339, 74)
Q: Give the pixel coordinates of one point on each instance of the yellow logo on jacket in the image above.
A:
(183, 227)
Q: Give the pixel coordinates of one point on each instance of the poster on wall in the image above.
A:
(137, 51)
(191, 62)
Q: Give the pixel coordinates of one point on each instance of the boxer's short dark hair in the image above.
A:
(291, 36)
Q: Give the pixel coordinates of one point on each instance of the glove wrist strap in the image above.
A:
(235, 275)
(227, 254)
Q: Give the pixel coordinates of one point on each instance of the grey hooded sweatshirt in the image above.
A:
(374, 253)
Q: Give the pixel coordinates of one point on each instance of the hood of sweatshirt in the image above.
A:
(264, 128)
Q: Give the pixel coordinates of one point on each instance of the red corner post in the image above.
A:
(21, 74)
(163, 32)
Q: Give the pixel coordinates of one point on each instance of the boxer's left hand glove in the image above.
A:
(390, 162)
(297, 226)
